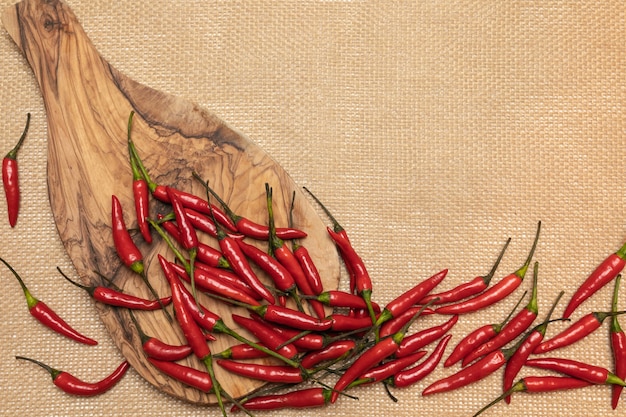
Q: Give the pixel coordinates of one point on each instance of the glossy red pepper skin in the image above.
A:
(141, 192)
(269, 373)
(389, 368)
(228, 277)
(415, 374)
(293, 318)
(601, 276)
(114, 298)
(10, 178)
(128, 252)
(303, 398)
(472, 373)
(267, 336)
(575, 332)
(618, 347)
(343, 323)
(333, 351)
(586, 372)
(395, 324)
(304, 340)
(70, 384)
(518, 359)
(193, 377)
(417, 341)
(240, 352)
(278, 273)
(342, 299)
(308, 266)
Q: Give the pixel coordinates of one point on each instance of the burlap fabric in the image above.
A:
(434, 130)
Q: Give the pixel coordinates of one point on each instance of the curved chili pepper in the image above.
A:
(417, 373)
(333, 351)
(10, 177)
(241, 351)
(518, 359)
(193, 377)
(115, 298)
(539, 384)
(602, 275)
(618, 347)
(304, 340)
(246, 226)
(278, 273)
(394, 325)
(46, 316)
(586, 325)
(291, 318)
(266, 335)
(342, 299)
(303, 398)
(388, 369)
(478, 337)
(141, 193)
(590, 373)
(418, 340)
(407, 299)
(494, 293)
(466, 289)
(157, 349)
(228, 277)
(516, 326)
(268, 373)
(70, 384)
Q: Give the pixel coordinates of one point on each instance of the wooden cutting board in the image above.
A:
(88, 103)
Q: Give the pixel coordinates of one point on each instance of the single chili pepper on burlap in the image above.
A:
(407, 299)
(10, 177)
(70, 384)
(269, 373)
(539, 384)
(141, 193)
(193, 377)
(478, 337)
(112, 297)
(388, 369)
(333, 351)
(516, 326)
(590, 373)
(602, 275)
(467, 289)
(417, 341)
(582, 328)
(158, 349)
(247, 227)
(302, 398)
(618, 346)
(496, 292)
(46, 316)
(518, 359)
(415, 374)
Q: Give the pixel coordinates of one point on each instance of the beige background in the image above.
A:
(435, 130)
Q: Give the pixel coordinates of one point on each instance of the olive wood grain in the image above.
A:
(88, 103)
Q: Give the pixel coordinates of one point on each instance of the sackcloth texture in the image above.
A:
(433, 130)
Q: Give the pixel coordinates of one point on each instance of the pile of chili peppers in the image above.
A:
(321, 356)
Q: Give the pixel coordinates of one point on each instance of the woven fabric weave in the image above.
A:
(433, 130)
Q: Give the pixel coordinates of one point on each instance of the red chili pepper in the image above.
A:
(416, 341)
(618, 347)
(228, 277)
(141, 192)
(602, 275)
(70, 384)
(343, 323)
(241, 351)
(590, 373)
(467, 289)
(388, 369)
(518, 359)
(394, 325)
(189, 376)
(46, 316)
(265, 334)
(304, 340)
(516, 326)
(478, 337)
(539, 384)
(342, 299)
(268, 373)
(417, 373)
(407, 299)
(495, 293)
(333, 351)
(292, 318)
(277, 272)
(303, 398)
(112, 297)
(158, 349)
(586, 325)
(10, 178)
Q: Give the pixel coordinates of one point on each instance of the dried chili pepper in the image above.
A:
(112, 297)
(618, 347)
(469, 288)
(189, 376)
(602, 275)
(46, 316)
(10, 177)
(518, 359)
(416, 341)
(269, 373)
(417, 373)
(495, 293)
(70, 384)
(516, 326)
(141, 193)
(157, 349)
(539, 384)
(303, 398)
(586, 372)
(479, 336)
